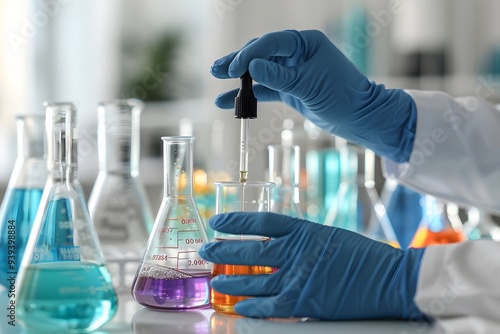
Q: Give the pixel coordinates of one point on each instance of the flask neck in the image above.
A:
(119, 136)
(62, 142)
(284, 165)
(30, 137)
(178, 166)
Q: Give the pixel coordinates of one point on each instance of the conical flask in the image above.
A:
(343, 211)
(118, 204)
(171, 274)
(480, 225)
(23, 194)
(357, 206)
(403, 209)
(284, 169)
(63, 283)
(435, 227)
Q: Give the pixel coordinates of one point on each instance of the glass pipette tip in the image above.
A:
(244, 150)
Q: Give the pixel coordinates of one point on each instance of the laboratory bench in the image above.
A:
(133, 318)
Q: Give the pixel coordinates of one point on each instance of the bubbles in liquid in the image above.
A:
(159, 272)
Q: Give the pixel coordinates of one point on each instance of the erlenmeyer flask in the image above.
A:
(252, 196)
(63, 284)
(284, 170)
(118, 204)
(435, 227)
(480, 225)
(378, 225)
(403, 209)
(171, 274)
(343, 211)
(23, 194)
(357, 206)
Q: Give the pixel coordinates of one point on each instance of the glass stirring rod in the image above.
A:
(245, 108)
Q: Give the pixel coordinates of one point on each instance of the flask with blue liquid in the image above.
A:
(22, 197)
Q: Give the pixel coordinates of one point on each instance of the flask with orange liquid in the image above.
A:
(251, 196)
(436, 228)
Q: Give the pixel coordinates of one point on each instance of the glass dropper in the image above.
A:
(245, 108)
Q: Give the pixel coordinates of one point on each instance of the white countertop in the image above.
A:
(133, 318)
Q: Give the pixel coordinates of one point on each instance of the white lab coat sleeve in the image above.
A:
(460, 280)
(455, 154)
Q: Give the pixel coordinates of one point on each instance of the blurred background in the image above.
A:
(160, 51)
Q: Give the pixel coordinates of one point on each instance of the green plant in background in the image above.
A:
(148, 69)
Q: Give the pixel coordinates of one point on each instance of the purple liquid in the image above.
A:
(167, 289)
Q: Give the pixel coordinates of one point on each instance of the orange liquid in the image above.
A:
(223, 303)
(425, 237)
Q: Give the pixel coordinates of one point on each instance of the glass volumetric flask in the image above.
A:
(63, 284)
(118, 204)
(284, 171)
(23, 194)
(435, 227)
(252, 196)
(480, 225)
(171, 274)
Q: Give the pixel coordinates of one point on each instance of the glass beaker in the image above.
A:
(63, 284)
(171, 274)
(435, 227)
(252, 196)
(284, 171)
(22, 196)
(118, 204)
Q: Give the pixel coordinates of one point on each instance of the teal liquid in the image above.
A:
(66, 297)
(20, 206)
(55, 240)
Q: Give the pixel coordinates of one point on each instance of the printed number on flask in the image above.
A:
(191, 241)
(197, 262)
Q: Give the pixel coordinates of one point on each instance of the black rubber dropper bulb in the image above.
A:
(245, 103)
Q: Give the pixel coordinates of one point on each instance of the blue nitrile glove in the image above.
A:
(325, 272)
(306, 71)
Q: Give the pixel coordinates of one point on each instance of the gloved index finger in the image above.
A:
(281, 43)
(254, 223)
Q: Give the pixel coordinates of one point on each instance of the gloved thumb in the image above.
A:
(273, 75)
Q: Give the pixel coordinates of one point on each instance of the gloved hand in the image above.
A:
(306, 71)
(325, 272)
